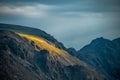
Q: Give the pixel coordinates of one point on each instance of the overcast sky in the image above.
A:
(73, 22)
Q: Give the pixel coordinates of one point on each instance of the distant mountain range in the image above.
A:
(32, 54)
(104, 55)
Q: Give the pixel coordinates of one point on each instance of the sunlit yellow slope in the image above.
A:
(61, 55)
(43, 44)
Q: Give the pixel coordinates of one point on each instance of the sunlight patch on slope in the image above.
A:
(61, 55)
(43, 44)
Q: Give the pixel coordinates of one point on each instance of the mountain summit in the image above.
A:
(104, 55)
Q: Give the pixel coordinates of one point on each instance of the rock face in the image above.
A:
(104, 55)
(23, 57)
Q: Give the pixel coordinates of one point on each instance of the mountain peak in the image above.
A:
(104, 55)
(100, 40)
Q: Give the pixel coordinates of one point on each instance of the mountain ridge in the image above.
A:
(47, 59)
(31, 31)
(21, 61)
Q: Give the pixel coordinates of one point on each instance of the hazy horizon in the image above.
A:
(72, 22)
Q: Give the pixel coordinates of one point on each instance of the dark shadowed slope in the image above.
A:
(104, 55)
(22, 57)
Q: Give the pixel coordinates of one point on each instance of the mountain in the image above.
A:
(104, 55)
(26, 56)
